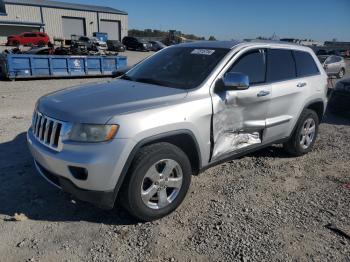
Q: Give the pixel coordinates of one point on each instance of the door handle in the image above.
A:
(301, 84)
(263, 93)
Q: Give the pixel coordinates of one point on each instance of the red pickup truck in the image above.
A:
(28, 38)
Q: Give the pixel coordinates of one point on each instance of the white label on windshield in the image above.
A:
(202, 52)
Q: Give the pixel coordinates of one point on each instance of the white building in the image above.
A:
(60, 19)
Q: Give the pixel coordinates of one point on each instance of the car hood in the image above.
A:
(99, 102)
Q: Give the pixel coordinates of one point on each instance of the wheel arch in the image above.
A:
(184, 139)
(317, 106)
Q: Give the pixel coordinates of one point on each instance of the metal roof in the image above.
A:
(63, 5)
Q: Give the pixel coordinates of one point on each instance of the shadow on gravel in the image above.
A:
(272, 152)
(22, 190)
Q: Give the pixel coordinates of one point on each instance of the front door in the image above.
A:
(239, 116)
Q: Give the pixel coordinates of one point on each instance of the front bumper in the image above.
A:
(102, 199)
(103, 162)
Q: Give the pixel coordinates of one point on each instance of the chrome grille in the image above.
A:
(47, 130)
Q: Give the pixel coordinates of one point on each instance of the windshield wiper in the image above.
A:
(126, 77)
(149, 81)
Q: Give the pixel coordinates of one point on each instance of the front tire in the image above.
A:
(304, 136)
(158, 181)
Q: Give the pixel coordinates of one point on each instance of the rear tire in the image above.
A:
(157, 183)
(341, 73)
(305, 134)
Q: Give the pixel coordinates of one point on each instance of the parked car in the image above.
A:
(88, 43)
(115, 45)
(334, 52)
(344, 53)
(133, 43)
(29, 38)
(156, 45)
(339, 102)
(189, 107)
(334, 65)
(41, 51)
(322, 52)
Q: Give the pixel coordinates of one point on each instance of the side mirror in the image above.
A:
(120, 72)
(233, 81)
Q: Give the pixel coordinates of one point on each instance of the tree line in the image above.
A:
(163, 34)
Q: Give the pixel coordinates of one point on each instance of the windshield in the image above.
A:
(179, 67)
(84, 39)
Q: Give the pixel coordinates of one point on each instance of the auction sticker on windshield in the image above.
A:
(202, 52)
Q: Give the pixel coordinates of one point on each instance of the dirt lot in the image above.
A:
(262, 207)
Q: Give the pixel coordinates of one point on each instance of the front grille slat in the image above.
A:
(53, 134)
(47, 130)
(48, 122)
(41, 127)
(37, 126)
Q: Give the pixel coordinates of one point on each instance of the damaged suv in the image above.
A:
(139, 138)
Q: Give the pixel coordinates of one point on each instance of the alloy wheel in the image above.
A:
(161, 184)
(307, 133)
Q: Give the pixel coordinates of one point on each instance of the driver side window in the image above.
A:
(252, 64)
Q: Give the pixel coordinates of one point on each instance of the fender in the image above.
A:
(150, 140)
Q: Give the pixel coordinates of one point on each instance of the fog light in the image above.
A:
(79, 173)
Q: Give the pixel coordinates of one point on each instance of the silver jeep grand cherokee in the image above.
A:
(141, 137)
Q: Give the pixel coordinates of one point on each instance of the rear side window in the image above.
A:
(305, 64)
(253, 65)
(330, 60)
(29, 35)
(280, 65)
(337, 59)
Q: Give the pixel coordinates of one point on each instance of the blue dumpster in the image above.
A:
(21, 66)
(101, 36)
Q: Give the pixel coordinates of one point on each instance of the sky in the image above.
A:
(239, 19)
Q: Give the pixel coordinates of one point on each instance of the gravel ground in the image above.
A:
(262, 207)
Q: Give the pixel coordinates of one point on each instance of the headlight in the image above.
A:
(145, 45)
(92, 133)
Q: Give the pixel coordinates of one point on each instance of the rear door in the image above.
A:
(239, 116)
(293, 77)
(338, 63)
(29, 38)
(331, 65)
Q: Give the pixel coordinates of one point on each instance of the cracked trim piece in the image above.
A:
(231, 141)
